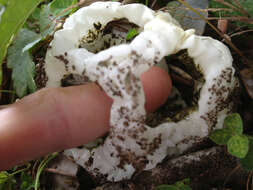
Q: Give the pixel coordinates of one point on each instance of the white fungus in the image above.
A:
(82, 47)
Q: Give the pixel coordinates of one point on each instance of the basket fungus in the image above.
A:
(93, 45)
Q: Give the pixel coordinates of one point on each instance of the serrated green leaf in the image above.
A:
(220, 136)
(20, 61)
(238, 146)
(4, 176)
(233, 124)
(167, 187)
(131, 34)
(36, 39)
(247, 161)
(13, 18)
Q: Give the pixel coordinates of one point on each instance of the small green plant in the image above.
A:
(131, 34)
(12, 19)
(238, 144)
(231, 135)
(27, 182)
(24, 26)
(180, 185)
(8, 181)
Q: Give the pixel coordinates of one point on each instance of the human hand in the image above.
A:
(59, 118)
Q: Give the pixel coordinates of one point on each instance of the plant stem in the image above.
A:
(42, 165)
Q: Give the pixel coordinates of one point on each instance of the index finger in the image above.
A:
(59, 118)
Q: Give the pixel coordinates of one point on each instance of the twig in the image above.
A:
(249, 176)
(55, 171)
(230, 5)
(35, 168)
(240, 33)
(204, 10)
(219, 9)
(235, 18)
(153, 4)
(231, 173)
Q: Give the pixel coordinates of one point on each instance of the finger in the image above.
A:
(59, 118)
(157, 86)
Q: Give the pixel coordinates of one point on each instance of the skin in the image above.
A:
(59, 118)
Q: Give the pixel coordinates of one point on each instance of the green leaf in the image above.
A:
(238, 146)
(27, 182)
(49, 15)
(247, 161)
(4, 176)
(47, 21)
(2, 9)
(131, 34)
(35, 14)
(58, 6)
(19, 59)
(233, 123)
(12, 20)
(220, 136)
(167, 187)
(184, 184)
(180, 185)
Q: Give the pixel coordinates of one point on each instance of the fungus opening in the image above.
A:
(187, 80)
(103, 37)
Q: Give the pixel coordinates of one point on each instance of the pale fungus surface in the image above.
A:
(87, 46)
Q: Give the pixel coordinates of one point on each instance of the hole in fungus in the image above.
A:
(73, 80)
(100, 38)
(187, 80)
(103, 37)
